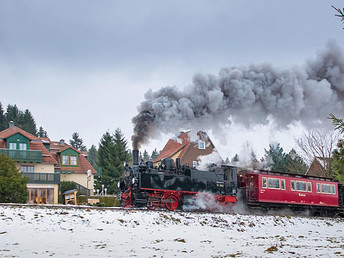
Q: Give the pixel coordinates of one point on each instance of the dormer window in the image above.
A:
(73, 161)
(13, 146)
(65, 160)
(201, 145)
(69, 160)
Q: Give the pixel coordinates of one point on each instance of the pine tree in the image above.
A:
(42, 132)
(3, 120)
(235, 158)
(295, 164)
(105, 160)
(27, 122)
(92, 155)
(275, 158)
(338, 161)
(23, 120)
(12, 113)
(12, 184)
(112, 153)
(77, 142)
(155, 154)
(145, 155)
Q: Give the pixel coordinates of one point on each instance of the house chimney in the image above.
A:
(62, 142)
(10, 124)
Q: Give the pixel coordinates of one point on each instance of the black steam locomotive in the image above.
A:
(173, 185)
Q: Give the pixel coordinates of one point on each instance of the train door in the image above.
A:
(251, 187)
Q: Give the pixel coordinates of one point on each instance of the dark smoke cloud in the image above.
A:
(248, 95)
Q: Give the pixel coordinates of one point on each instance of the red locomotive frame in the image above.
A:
(171, 200)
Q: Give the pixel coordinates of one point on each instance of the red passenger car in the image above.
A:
(273, 189)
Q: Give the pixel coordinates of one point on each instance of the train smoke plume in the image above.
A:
(248, 95)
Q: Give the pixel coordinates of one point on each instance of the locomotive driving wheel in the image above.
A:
(171, 202)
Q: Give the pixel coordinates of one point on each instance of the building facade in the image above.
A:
(44, 164)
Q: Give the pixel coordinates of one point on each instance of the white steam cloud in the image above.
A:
(247, 95)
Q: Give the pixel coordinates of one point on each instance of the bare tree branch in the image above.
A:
(340, 13)
(317, 143)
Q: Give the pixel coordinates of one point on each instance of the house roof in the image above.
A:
(13, 130)
(83, 166)
(35, 143)
(174, 145)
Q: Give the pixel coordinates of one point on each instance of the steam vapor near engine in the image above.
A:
(247, 95)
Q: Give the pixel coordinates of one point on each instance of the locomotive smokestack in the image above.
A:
(135, 157)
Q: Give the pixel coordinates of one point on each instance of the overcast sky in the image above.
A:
(85, 65)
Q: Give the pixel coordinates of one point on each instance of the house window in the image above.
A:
(22, 146)
(73, 161)
(274, 183)
(65, 160)
(26, 169)
(13, 146)
(194, 164)
(201, 145)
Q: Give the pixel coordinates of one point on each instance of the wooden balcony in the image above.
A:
(23, 155)
(42, 178)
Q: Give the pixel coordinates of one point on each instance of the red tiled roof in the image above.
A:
(13, 130)
(35, 143)
(84, 165)
(46, 155)
(175, 145)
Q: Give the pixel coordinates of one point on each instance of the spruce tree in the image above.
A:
(338, 161)
(155, 154)
(77, 142)
(12, 113)
(12, 184)
(145, 155)
(92, 155)
(112, 153)
(42, 132)
(27, 123)
(3, 120)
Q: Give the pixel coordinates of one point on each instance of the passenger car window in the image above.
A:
(283, 184)
(333, 189)
(318, 187)
(326, 188)
(274, 183)
(301, 186)
(309, 187)
(292, 185)
(264, 182)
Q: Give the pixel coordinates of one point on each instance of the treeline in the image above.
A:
(274, 159)
(22, 119)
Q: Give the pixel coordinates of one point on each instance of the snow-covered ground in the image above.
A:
(60, 232)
